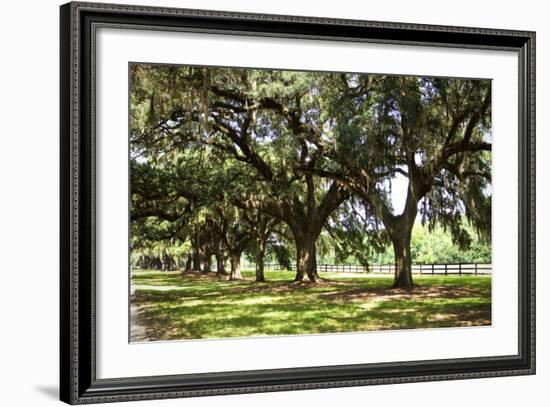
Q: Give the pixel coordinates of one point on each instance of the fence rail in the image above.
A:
(434, 269)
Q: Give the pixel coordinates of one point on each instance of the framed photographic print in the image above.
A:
(254, 203)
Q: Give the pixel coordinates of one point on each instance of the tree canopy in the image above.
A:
(227, 160)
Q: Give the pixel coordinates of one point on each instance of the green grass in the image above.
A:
(168, 305)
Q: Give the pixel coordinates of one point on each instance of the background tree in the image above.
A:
(435, 246)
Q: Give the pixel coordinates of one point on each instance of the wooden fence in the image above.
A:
(434, 269)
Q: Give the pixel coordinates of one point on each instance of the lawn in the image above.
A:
(171, 305)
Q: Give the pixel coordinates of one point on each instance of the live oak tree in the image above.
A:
(164, 207)
(433, 133)
(242, 113)
(159, 216)
(263, 226)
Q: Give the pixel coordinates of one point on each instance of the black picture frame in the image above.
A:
(78, 382)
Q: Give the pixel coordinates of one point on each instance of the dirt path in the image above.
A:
(137, 331)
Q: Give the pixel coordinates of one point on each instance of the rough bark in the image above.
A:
(221, 262)
(260, 276)
(235, 267)
(197, 256)
(207, 264)
(197, 251)
(402, 251)
(189, 264)
(400, 231)
(306, 263)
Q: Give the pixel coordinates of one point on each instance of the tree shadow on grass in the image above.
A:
(195, 307)
(419, 292)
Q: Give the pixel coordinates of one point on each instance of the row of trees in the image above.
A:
(227, 160)
(427, 247)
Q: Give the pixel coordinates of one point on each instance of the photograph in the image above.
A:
(268, 202)
(272, 200)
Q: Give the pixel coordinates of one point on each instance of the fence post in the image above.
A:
(433, 269)
(459, 269)
(475, 268)
(445, 268)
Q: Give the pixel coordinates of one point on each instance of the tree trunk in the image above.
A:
(400, 229)
(197, 261)
(197, 250)
(235, 267)
(306, 263)
(207, 264)
(403, 269)
(260, 260)
(189, 264)
(221, 262)
(400, 234)
(162, 262)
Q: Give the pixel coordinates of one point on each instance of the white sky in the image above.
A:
(399, 192)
